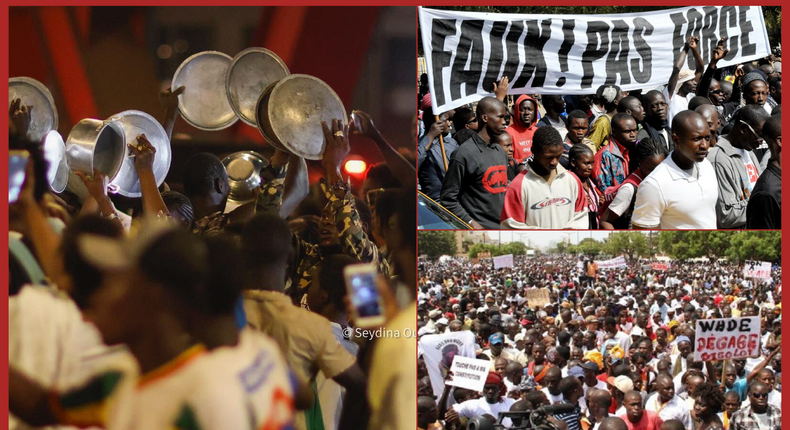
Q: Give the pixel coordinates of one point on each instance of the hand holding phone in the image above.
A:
(17, 165)
(363, 291)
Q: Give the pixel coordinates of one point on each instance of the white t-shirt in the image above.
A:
(676, 104)
(676, 408)
(622, 200)
(552, 398)
(671, 198)
(477, 407)
(751, 169)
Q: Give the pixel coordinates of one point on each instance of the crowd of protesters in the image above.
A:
(187, 314)
(702, 152)
(618, 344)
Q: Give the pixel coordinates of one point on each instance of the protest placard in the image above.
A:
(503, 261)
(470, 373)
(467, 52)
(757, 269)
(612, 263)
(537, 296)
(660, 266)
(727, 338)
(439, 351)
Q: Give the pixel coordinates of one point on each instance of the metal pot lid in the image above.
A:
(33, 93)
(244, 174)
(135, 123)
(297, 107)
(58, 166)
(261, 110)
(204, 102)
(250, 72)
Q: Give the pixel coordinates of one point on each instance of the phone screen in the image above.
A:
(17, 161)
(365, 297)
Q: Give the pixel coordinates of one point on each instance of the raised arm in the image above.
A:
(144, 153)
(97, 187)
(703, 88)
(401, 168)
(169, 100)
(673, 78)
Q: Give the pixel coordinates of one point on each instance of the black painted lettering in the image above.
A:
(746, 28)
(567, 42)
(708, 40)
(677, 36)
(642, 26)
(534, 61)
(597, 47)
(728, 18)
(511, 49)
(496, 56)
(617, 61)
(693, 29)
(441, 29)
(470, 48)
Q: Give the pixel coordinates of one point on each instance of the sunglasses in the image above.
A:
(757, 136)
(717, 92)
(759, 395)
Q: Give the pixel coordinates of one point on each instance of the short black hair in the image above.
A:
(568, 385)
(85, 277)
(380, 173)
(752, 114)
(773, 127)
(698, 101)
(544, 138)
(200, 172)
(331, 279)
(177, 202)
(462, 117)
(619, 118)
(774, 81)
(648, 148)
(577, 114)
(363, 210)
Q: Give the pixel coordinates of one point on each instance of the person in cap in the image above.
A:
(590, 376)
(737, 167)
(621, 384)
(441, 325)
(150, 287)
(755, 90)
(491, 403)
(682, 83)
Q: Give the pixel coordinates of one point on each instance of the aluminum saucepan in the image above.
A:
(244, 174)
(97, 144)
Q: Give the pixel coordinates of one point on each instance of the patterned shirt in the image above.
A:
(745, 419)
(611, 167)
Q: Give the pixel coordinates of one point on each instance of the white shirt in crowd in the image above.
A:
(675, 408)
(476, 407)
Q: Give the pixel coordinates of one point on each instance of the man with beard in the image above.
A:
(492, 403)
(681, 192)
(523, 127)
(545, 195)
(430, 163)
(636, 417)
(613, 162)
(666, 404)
(655, 123)
(476, 180)
(759, 414)
(737, 168)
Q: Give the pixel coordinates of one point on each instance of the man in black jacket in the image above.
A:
(764, 210)
(476, 180)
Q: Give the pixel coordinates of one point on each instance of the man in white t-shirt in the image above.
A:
(681, 192)
(492, 403)
(666, 404)
(737, 168)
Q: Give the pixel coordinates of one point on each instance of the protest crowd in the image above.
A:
(189, 313)
(572, 343)
(701, 151)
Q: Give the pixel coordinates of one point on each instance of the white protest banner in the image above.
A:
(727, 338)
(503, 261)
(439, 350)
(757, 269)
(612, 263)
(660, 266)
(470, 373)
(467, 52)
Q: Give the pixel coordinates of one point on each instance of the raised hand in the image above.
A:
(337, 146)
(500, 90)
(19, 115)
(363, 125)
(144, 153)
(720, 52)
(96, 184)
(169, 98)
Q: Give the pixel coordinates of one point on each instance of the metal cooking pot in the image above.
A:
(135, 123)
(97, 144)
(244, 175)
(290, 113)
(250, 72)
(33, 93)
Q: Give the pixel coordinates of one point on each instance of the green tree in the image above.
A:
(755, 245)
(436, 243)
(479, 248)
(588, 246)
(631, 243)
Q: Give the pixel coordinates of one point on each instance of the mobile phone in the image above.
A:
(363, 290)
(17, 163)
(354, 119)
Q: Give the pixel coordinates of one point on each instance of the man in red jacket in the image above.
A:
(523, 127)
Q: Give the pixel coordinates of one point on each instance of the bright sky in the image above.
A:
(544, 239)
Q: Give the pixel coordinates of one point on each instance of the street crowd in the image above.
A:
(616, 344)
(701, 152)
